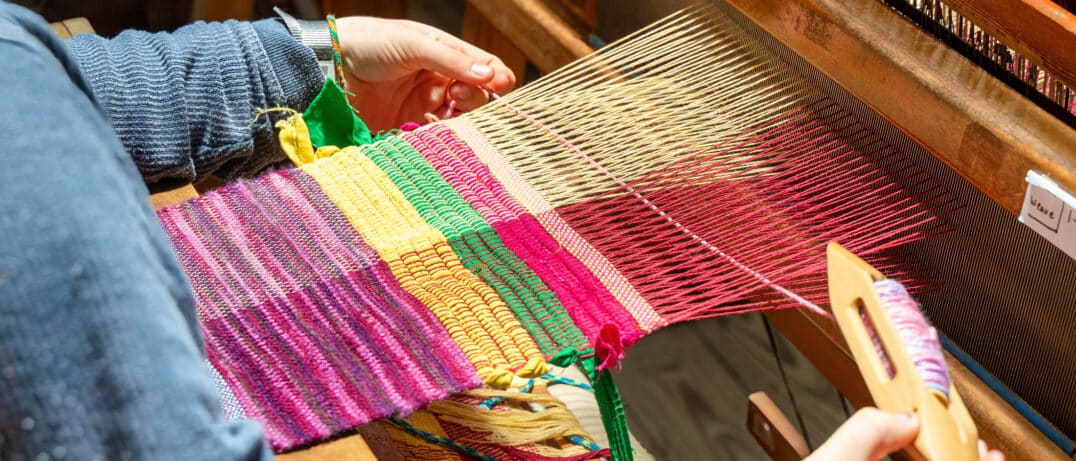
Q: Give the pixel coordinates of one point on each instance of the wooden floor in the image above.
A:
(685, 389)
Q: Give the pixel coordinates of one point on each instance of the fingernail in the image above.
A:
(481, 70)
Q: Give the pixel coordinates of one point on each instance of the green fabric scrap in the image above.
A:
(332, 121)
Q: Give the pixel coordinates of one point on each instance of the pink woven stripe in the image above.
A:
(567, 238)
(305, 323)
(592, 307)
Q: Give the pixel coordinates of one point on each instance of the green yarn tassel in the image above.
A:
(565, 357)
(612, 410)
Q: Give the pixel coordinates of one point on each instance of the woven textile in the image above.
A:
(481, 250)
(567, 239)
(305, 323)
(420, 257)
(600, 315)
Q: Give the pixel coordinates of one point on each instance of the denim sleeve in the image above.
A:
(100, 353)
(183, 103)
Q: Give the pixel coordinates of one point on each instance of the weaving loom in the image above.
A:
(374, 280)
(964, 107)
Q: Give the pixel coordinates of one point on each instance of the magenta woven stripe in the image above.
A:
(602, 319)
(305, 323)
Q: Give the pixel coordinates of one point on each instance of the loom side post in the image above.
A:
(946, 430)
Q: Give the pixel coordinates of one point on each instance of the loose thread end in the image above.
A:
(260, 111)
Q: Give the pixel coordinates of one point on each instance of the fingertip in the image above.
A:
(503, 82)
(437, 95)
(911, 419)
(467, 97)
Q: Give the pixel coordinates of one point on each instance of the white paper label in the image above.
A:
(1051, 212)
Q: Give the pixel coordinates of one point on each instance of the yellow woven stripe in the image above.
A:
(423, 262)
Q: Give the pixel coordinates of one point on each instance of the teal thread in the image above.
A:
(569, 381)
(433, 438)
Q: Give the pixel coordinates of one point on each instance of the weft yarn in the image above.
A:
(568, 239)
(301, 318)
(423, 262)
(481, 250)
(919, 338)
(592, 308)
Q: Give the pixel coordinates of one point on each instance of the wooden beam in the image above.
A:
(479, 32)
(1040, 30)
(60, 30)
(981, 128)
(350, 448)
(80, 25)
(547, 40)
(220, 10)
(380, 8)
(773, 431)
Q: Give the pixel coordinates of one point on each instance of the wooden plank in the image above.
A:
(998, 423)
(982, 129)
(350, 448)
(581, 16)
(76, 26)
(1040, 30)
(395, 9)
(60, 30)
(546, 39)
(172, 197)
(776, 435)
(686, 388)
(221, 10)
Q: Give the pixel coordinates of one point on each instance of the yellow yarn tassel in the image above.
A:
(295, 140)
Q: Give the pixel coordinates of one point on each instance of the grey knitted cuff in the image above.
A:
(294, 64)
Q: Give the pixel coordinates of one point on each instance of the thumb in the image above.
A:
(869, 435)
(454, 63)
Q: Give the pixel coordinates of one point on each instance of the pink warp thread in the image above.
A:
(680, 227)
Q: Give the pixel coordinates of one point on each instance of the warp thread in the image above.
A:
(480, 249)
(421, 259)
(595, 311)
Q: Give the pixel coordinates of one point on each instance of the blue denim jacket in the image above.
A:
(100, 354)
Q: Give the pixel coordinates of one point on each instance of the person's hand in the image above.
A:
(871, 434)
(400, 70)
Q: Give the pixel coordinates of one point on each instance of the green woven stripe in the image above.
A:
(473, 251)
(480, 248)
(558, 323)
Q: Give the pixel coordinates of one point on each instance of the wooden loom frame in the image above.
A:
(859, 44)
(855, 44)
